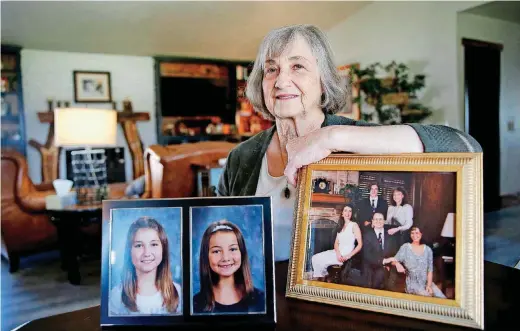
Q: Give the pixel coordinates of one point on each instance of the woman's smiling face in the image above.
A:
(224, 253)
(291, 83)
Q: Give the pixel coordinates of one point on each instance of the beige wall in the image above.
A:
(508, 34)
(421, 34)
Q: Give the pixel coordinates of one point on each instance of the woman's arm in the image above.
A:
(366, 138)
(336, 249)
(385, 139)
(429, 283)
(357, 234)
(408, 218)
(389, 214)
(389, 260)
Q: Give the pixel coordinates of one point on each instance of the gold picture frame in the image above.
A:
(431, 178)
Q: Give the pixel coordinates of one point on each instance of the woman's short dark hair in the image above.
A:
(336, 91)
(405, 196)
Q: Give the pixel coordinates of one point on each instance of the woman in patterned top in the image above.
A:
(417, 258)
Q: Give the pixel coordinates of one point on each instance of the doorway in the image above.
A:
(482, 104)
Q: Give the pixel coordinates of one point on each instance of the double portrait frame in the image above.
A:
(442, 194)
(191, 243)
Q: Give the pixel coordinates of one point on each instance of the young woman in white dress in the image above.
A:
(347, 233)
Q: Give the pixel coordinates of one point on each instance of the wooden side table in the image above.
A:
(68, 222)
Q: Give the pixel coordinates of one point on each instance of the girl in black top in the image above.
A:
(226, 285)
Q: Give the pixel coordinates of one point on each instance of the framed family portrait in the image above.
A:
(182, 261)
(92, 87)
(397, 234)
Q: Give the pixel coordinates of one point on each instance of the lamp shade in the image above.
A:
(85, 127)
(448, 230)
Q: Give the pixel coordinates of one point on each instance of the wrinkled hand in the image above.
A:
(393, 231)
(302, 151)
(399, 267)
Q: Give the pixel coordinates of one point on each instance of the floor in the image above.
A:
(502, 237)
(41, 289)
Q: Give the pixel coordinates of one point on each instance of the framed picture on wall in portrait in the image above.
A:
(398, 234)
(165, 262)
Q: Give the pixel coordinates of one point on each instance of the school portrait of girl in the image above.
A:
(228, 268)
(145, 263)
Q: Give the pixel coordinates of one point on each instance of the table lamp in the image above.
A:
(448, 231)
(87, 128)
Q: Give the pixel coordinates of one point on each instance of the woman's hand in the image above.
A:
(400, 269)
(393, 231)
(429, 289)
(302, 151)
(339, 257)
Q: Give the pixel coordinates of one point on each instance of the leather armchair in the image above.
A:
(25, 226)
(169, 169)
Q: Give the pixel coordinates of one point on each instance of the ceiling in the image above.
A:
(502, 10)
(225, 30)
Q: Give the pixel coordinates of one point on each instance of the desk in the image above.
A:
(501, 290)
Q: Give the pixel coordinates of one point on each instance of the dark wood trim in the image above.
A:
(480, 43)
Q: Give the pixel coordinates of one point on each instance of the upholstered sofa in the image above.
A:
(25, 226)
(169, 170)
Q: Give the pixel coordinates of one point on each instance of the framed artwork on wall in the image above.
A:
(92, 87)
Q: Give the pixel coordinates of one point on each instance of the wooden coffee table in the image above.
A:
(501, 304)
(68, 222)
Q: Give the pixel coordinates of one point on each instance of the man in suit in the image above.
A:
(374, 204)
(378, 245)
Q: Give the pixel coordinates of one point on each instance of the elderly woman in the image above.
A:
(294, 82)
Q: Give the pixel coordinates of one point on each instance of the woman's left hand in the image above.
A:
(392, 231)
(429, 289)
(302, 151)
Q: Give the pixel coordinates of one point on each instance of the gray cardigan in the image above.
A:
(242, 170)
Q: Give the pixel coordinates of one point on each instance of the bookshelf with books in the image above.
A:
(13, 124)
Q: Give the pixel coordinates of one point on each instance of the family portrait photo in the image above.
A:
(398, 234)
(384, 230)
(145, 269)
(228, 273)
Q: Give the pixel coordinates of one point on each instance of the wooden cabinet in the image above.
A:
(204, 99)
(13, 120)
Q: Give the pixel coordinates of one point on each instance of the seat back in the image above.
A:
(169, 169)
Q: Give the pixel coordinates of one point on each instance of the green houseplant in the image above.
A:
(393, 97)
